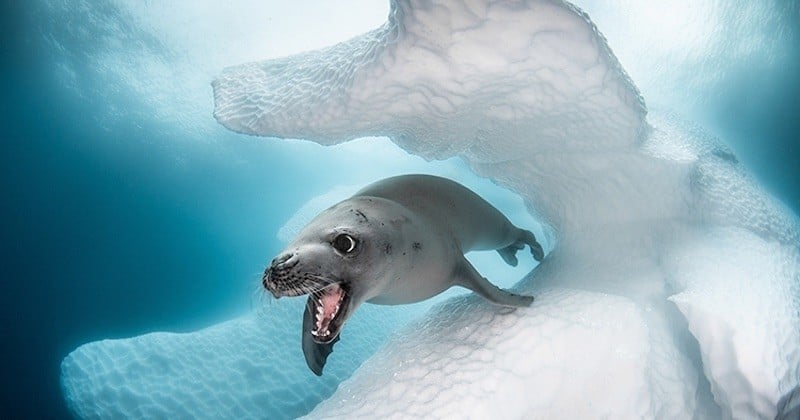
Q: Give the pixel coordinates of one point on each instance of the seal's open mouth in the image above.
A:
(328, 306)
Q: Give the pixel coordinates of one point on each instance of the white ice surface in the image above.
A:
(575, 354)
(672, 291)
(740, 306)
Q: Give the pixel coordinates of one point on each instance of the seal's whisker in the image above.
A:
(316, 294)
(259, 296)
(324, 279)
(328, 282)
(311, 287)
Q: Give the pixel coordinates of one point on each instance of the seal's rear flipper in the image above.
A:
(316, 353)
(466, 276)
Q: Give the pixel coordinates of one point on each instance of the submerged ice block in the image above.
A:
(249, 367)
(672, 291)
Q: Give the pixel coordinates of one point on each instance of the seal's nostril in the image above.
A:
(280, 259)
(284, 261)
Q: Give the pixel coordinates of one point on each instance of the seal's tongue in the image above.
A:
(327, 308)
(330, 302)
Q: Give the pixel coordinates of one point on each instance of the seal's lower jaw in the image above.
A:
(329, 307)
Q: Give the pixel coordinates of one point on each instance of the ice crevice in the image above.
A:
(674, 287)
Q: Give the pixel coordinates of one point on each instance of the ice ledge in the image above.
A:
(493, 82)
(249, 367)
(574, 354)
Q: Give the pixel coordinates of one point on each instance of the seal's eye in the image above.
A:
(344, 243)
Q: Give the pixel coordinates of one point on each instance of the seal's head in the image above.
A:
(339, 259)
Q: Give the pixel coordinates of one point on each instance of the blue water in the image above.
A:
(117, 222)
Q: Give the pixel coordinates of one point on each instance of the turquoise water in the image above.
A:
(127, 209)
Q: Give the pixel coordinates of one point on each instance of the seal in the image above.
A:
(400, 240)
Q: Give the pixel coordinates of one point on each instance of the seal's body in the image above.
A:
(399, 240)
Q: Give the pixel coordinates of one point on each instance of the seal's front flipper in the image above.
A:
(509, 253)
(316, 353)
(536, 248)
(466, 276)
(524, 237)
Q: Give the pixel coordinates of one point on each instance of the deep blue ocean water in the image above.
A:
(115, 222)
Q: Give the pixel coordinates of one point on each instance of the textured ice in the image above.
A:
(250, 367)
(672, 292)
(744, 314)
(576, 354)
(552, 75)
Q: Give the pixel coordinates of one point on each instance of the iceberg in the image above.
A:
(672, 289)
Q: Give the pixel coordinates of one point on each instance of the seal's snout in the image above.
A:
(280, 278)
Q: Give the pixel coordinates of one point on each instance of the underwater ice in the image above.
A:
(250, 367)
(673, 290)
